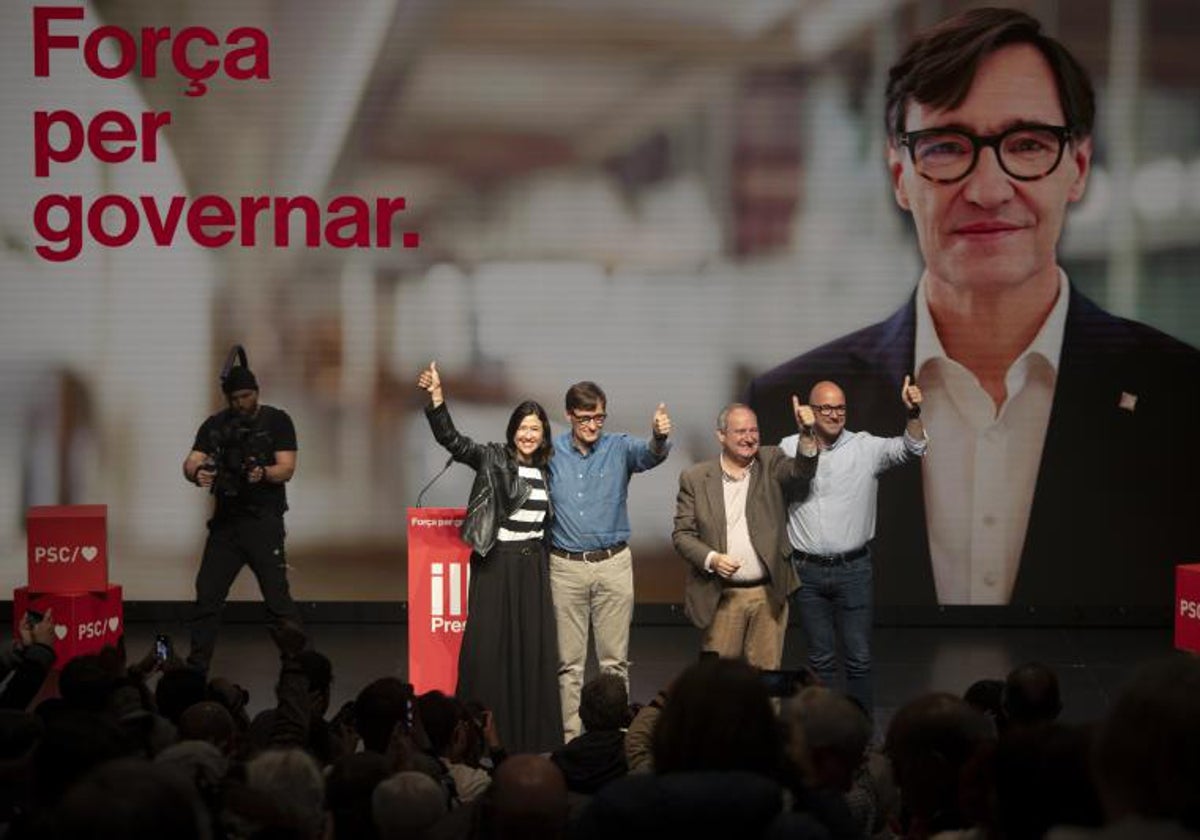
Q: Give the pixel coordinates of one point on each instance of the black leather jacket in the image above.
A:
(498, 490)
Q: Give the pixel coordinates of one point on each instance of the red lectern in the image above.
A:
(67, 559)
(438, 577)
(1187, 607)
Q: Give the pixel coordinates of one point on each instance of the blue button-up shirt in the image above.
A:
(838, 513)
(589, 491)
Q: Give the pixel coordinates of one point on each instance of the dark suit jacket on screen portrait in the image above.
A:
(1115, 506)
(700, 525)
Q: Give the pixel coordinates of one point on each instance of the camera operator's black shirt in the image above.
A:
(272, 431)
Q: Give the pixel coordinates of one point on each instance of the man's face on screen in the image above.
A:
(990, 229)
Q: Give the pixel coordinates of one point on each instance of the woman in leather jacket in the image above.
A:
(509, 655)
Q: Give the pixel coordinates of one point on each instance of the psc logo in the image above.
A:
(64, 553)
(90, 629)
(1189, 609)
(96, 629)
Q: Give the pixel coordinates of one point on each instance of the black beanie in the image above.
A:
(239, 379)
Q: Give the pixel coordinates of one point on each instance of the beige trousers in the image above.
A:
(746, 625)
(598, 596)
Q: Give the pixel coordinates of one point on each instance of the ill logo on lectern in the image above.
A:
(448, 583)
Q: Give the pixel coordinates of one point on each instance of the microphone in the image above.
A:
(421, 495)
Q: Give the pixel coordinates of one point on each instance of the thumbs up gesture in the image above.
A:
(910, 393)
(431, 381)
(804, 415)
(661, 425)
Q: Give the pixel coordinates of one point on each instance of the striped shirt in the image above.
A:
(526, 521)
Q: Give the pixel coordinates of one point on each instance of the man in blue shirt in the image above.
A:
(831, 525)
(591, 568)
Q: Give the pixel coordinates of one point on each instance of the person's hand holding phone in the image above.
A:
(162, 648)
(491, 737)
(25, 628)
(37, 628)
(145, 666)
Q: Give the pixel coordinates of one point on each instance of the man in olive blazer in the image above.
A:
(730, 520)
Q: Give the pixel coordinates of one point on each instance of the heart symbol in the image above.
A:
(114, 623)
(89, 553)
(60, 630)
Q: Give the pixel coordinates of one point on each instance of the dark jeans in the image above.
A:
(233, 542)
(836, 600)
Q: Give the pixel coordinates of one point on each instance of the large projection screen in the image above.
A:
(670, 199)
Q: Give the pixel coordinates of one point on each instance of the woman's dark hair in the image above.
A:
(541, 456)
(939, 66)
(718, 717)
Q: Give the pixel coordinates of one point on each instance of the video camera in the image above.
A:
(238, 446)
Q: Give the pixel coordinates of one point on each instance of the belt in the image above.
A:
(830, 559)
(594, 556)
(745, 584)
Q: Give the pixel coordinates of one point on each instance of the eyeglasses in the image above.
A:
(1025, 152)
(830, 410)
(596, 420)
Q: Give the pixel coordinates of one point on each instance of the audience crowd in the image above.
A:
(712, 755)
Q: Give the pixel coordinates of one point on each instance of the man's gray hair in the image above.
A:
(406, 804)
(291, 781)
(723, 417)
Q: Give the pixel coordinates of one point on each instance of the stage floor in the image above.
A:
(1092, 663)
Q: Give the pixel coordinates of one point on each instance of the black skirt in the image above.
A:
(509, 656)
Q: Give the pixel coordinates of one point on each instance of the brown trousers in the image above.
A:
(746, 625)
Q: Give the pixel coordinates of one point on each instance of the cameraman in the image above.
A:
(243, 455)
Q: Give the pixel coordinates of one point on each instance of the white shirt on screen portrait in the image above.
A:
(979, 480)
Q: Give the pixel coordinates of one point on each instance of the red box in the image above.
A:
(84, 622)
(1187, 607)
(67, 548)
